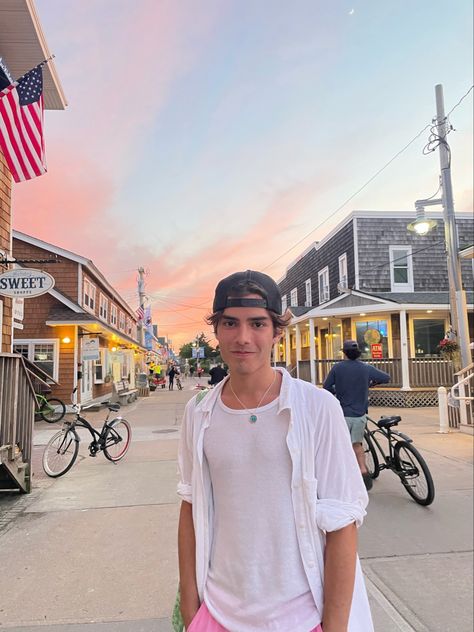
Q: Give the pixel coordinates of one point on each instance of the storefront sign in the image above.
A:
(90, 349)
(376, 351)
(18, 308)
(25, 283)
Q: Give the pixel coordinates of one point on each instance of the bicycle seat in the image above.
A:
(388, 422)
(113, 407)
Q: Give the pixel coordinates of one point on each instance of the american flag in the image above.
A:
(140, 313)
(21, 126)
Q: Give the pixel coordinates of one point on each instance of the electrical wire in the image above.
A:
(430, 126)
(339, 208)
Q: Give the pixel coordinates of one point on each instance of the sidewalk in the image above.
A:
(95, 551)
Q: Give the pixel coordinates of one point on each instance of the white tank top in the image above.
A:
(256, 579)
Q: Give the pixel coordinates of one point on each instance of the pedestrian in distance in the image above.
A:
(171, 376)
(349, 381)
(191, 370)
(271, 491)
(217, 373)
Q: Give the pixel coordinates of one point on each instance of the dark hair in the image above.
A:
(352, 354)
(280, 321)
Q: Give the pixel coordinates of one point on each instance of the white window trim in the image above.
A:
(294, 297)
(114, 313)
(92, 287)
(326, 295)
(401, 287)
(343, 278)
(284, 303)
(103, 297)
(41, 341)
(103, 363)
(307, 286)
(124, 327)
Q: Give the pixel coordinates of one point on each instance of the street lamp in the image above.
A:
(422, 225)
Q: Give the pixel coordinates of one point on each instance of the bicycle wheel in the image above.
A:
(52, 410)
(371, 458)
(414, 473)
(117, 440)
(60, 453)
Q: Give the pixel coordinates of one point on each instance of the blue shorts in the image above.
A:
(356, 427)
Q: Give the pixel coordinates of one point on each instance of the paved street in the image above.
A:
(95, 551)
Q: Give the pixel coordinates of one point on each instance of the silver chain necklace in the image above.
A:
(253, 416)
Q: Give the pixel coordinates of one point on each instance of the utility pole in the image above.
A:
(457, 294)
(141, 302)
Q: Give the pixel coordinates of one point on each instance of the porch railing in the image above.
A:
(17, 412)
(423, 372)
(431, 372)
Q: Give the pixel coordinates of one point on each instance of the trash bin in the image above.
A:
(142, 385)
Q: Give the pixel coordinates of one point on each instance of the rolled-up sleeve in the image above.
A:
(341, 495)
(185, 454)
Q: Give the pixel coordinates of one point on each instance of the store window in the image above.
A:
(401, 269)
(42, 352)
(427, 334)
(89, 295)
(370, 334)
(100, 367)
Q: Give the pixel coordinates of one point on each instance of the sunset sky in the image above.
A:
(205, 137)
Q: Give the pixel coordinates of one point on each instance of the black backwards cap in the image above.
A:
(270, 300)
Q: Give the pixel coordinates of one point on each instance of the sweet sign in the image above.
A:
(25, 283)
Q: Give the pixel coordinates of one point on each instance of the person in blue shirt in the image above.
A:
(349, 381)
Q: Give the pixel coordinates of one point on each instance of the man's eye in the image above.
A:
(259, 324)
(228, 323)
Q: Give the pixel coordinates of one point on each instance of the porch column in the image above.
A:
(404, 351)
(298, 349)
(276, 353)
(287, 347)
(312, 352)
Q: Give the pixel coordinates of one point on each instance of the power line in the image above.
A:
(376, 174)
(459, 102)
(339, 208)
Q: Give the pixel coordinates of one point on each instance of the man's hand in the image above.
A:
(187, 564)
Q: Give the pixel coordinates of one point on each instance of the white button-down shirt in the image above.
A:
(327, 488)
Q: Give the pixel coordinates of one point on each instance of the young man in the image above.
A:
(350, 381)
(272, 494)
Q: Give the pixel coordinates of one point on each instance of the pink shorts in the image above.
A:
(204, 622)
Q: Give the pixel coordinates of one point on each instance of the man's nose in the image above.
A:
(243, 335)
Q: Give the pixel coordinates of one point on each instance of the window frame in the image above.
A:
(324, 273)
(284, 303)
(113, 315)
(122, 321)
(294, 297)
(409, 285)
(103, 299)
(31, 342)
(308, 292)
(91, 295)
(342, 264)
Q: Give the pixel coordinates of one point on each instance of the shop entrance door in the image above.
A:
(87, 380)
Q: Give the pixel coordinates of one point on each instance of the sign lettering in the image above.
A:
(25, 283)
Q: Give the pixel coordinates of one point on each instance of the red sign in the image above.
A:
(376, 351)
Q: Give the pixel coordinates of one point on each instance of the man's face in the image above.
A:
(246, 338)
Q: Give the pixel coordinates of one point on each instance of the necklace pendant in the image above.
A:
(253, 419)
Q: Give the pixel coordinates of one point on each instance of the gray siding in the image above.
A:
(429, 258)
(315, 260)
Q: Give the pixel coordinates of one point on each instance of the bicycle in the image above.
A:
(62, 449)
(178, 383)
(51, 410)
(402, 458)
